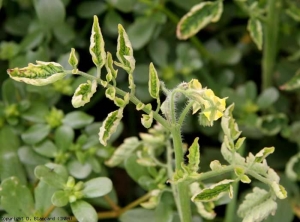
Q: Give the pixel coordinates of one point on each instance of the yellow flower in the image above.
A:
(214, 106)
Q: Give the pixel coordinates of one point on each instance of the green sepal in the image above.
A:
(261, 155)
(198, 17)
(256, 32)
(147, 120)
(214, 192)
(125, 51)
(153, 84)
(109, 66)
(73, 61)
(43, 73)
(123, 151)
(110, 93)
(97, 45)
(84, 93)
(109, 125)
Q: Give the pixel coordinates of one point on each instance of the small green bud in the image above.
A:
(73, 61)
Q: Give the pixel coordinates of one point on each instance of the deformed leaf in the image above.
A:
(257, 206)
(255, 29)
(84, 93)
(123, 151)
(293, 83)
(289, 170)
(42, 73)
(110, 92)
(109, 125)
(214, 192)
(153, 84)
(125, 51)
(73, 61)
(97, 45)
(109, 66)
(198, 17)
(261, 155)
(147, 120)
(194, 156)
(140, 106)
(279, 190)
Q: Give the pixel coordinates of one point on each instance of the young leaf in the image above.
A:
(123, 151)
(110, 92)
(256, 32)
(109, 125)
(125, 51)
(16, 199)
(140, 106)
(97, 45)
(261, 155)
(153, 84)
(293, 83)
(109, 66)
(147, 120)
(257, 206)
(214, 192)
(198, 17)
(73, 61)
(43, 73)
(97, 187)
(84, 212)
(194, 156)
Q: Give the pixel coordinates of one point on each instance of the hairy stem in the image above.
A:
(270, 42)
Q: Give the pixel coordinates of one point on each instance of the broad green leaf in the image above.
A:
(54, 176)
(97, 187)
(8, 50)
(153, 84)
(261, 155)
(125, 51)
(109, 125)
(50, 13)
(29, 157)
(87, 9)
(73, 61)
(123, 5)
(159, 51)
(77, 119)
(194, 156)
(42, 194)
(111, 20)
(45, 148)
(79, 170)
(60, 198)
(36, 112)
(109, 66)
(257, 206)
(63, 137)
(141, 31)
(256, 32)
(35, 134)
(32, 40)
(272, 124)
(9, 161)
(9, 92)
(84, 93)
(138, 215)
(267, 98)
(229, 56)
(123, 151)
(43, 73)
(84, 212)
(198, 17)
(293, 83)
(97, 45)
(284, 212)
(163, 211)
(16, 199)
(147, 120)
(214, 192)
(64, 33)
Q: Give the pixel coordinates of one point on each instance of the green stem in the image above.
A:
(180, 195)
(184, 112)
(270, 42)
(132, 98)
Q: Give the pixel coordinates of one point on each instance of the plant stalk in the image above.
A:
(270, 42)
(181, 196)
